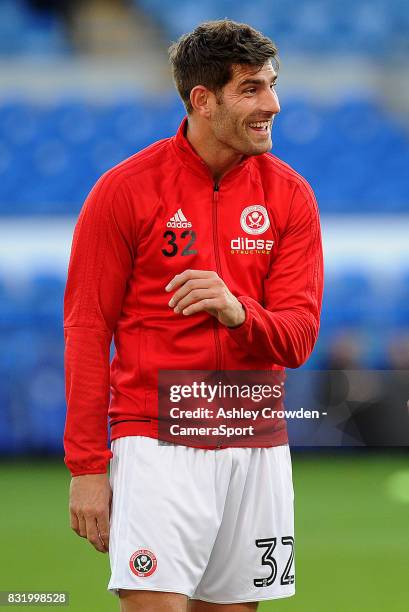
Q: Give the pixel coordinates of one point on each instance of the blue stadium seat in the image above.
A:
(51, 155)
(46, 408)
(24, 31)
(368, 27)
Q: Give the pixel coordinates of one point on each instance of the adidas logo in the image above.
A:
(178, 220)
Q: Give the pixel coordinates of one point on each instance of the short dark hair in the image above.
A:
(205, 56)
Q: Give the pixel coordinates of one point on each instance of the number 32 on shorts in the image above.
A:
(268, 559)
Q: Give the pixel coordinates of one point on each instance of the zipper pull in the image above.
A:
(216, 187)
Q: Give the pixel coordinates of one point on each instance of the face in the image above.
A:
(242, 116)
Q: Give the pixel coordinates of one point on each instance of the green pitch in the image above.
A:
(352, 536)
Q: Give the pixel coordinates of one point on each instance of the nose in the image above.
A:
(270, 102)
(275, 104)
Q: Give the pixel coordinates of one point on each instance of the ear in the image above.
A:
(200, 99)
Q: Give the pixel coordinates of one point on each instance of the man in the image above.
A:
(201, 252)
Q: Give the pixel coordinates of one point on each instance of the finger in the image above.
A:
(103, 529)
(74, 524)
(194, 296)
(92, 534)
(181, 278)
(82, 526)
(208, 305)
(187, 287)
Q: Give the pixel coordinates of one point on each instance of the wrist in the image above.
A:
(240, 318)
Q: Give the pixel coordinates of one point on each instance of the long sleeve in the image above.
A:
(285, 327)
(100, 264)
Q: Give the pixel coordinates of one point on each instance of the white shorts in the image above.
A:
(215, 525)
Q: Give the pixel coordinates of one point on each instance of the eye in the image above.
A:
(252, 90)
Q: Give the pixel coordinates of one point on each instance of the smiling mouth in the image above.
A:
(262, 127)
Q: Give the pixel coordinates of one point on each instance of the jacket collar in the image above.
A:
(195, 163)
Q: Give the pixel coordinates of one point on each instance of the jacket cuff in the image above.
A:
(81, 468)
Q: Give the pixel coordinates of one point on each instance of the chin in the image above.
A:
(258, 149)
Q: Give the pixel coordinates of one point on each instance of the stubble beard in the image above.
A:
(233, 133)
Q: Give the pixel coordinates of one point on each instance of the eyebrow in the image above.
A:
(253, 81)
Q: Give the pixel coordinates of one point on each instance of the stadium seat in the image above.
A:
(52, 154)
(23, 31)
(313, 26)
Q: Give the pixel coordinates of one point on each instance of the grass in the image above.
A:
(352, 537)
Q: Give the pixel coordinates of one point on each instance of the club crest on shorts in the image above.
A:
(254, 219)
(143, 563)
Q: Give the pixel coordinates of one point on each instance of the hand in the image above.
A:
(90, 504)
(203, 290)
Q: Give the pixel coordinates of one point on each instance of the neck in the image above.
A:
(218, 157)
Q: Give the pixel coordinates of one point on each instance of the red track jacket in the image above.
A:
(155, 215)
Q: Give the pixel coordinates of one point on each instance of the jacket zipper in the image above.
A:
(218, 268)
